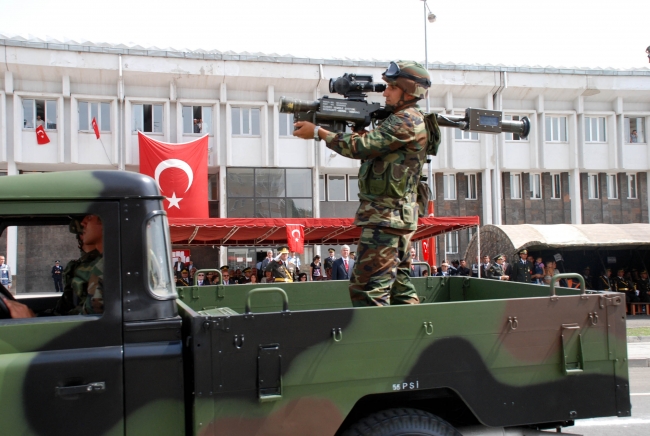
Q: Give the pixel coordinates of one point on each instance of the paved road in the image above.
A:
(636, 425)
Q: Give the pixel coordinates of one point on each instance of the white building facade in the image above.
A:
(585, 161)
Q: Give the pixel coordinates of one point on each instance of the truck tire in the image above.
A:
(402, 422)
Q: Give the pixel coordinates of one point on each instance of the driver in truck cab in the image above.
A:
(83, 286)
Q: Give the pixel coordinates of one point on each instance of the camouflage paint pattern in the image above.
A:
(510, 353)
(461, 339)
(381, 276)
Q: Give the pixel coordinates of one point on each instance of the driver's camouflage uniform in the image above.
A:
(76, 275)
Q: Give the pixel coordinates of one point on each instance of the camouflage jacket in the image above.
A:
(393, 156)
(94, 302)
(76, 276)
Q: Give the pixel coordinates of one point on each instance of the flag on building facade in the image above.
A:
(41, 136)
(181, 173)
(95, 127)
(295, 238)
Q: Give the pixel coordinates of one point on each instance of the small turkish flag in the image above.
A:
(425, 250)
(41, 136)
(95, 128)
(295, 237)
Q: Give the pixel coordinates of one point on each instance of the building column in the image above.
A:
(486, 183)
(576, 199)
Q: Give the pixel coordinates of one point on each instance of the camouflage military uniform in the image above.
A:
(76, 276)
(393, 155)
(94, 303)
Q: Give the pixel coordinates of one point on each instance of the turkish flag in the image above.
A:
(41, 136)
(95, 127)
(425, 250)
(295, 237)
(181, 172)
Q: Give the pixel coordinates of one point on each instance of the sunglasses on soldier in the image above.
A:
(393, 72)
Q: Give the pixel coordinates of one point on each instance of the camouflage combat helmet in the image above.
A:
(409, 76)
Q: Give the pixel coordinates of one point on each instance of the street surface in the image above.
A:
(636, 425)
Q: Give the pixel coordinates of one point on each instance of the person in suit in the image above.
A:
(444, 270)
(342, 267)
(200, 280)
(416, 270)
(485, 267)
(184, 279)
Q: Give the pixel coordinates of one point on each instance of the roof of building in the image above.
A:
(138, 50)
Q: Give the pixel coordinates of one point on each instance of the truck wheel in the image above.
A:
(402, 422)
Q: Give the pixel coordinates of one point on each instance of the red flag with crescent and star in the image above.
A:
(95, 127)
(295, 238)
(41, 136)
(425, 250)
(181, 173)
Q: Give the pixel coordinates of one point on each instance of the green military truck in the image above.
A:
(286, 359)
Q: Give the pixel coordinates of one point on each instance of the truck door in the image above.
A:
(62, 374)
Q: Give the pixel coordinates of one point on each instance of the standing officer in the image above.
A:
(620, 284)
(282, 269)
(57, 276)
(496, 269)
(521, 270)
(393, 155)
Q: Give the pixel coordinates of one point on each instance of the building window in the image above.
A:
(336, 188)
(286, 124)
(449, 186)
(515, 186)
(631, 186)
(556, 186)
(595, 129)
(245, 121)
(197, 119)
(100, 111)
(514, 136)
(147, 118)
(39, 113)
(471, 231)
(353, 188)
(472, 192)
(592, 186)
(556, 129)
(321, 187)
(462, 135)
(612, 186)
(535, 181)
(269, 193)
(634, 130)
(451, 242)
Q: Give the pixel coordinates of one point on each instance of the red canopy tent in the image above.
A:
(272, 231)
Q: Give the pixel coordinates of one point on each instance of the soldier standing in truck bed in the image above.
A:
(392, 156)
(521, 270)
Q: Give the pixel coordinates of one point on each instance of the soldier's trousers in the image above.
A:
(381, 272)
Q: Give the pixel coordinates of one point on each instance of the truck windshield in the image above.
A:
(158, 267)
